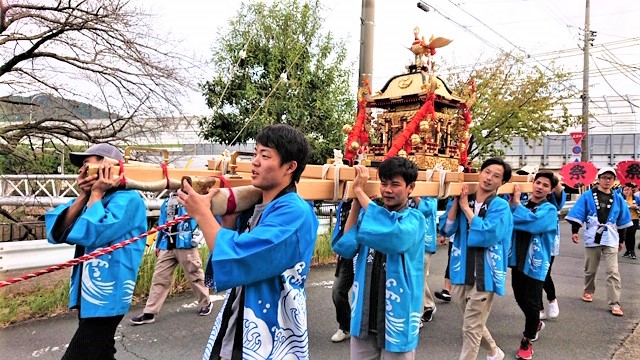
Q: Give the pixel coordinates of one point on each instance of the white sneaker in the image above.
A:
(340, 336)
(498, 356)
(543, 315)
(554, 310)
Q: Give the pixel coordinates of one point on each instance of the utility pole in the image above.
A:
(586, 151)
(366, 42)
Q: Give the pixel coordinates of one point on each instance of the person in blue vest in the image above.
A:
(605, 216)
(387, 242)
(102, 215)
(261, 256)
(175, 245)
(535, 225)
(482, 224)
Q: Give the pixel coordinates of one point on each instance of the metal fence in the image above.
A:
(32, 230)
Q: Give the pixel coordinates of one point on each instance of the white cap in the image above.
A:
(607, 169)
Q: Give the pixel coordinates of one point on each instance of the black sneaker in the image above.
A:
(143, 319)
(427, 316)
(443, 295)
(632, 255)
(626, 254)
(205, 310)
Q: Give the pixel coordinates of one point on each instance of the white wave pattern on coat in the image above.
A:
(128, 287)
(94, 290)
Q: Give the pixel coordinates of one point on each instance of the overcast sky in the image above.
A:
(480, 29)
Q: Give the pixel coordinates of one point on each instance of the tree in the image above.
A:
(275, 66)
(71, 52)
(515, 99)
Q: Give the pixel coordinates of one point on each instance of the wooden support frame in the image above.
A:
(311, 186)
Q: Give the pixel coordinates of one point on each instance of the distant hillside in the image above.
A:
(22, 108)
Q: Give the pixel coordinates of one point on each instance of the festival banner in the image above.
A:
(578, 174)
(628, 171)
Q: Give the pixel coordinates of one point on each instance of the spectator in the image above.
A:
(175, 246)
(605, 215)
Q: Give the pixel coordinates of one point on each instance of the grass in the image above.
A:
(41, 301)
(323, 254)
(51, 300)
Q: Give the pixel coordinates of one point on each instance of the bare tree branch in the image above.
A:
(96, 52)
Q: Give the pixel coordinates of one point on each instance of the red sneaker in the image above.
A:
(525, 352)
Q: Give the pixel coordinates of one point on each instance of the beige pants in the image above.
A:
(368, 350)
(427, 298)
(161, 282)
(592, 260)
(475, 307)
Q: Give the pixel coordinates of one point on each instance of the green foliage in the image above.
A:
(44, 158)
(323, 254)
(515, 100)
(248, 93)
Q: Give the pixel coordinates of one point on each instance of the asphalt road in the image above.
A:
(582, 331)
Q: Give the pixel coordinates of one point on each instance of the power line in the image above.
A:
(612, 88)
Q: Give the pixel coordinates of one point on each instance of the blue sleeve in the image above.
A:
(443, 221)
(429, 208)
(558, 202)
(281, 239)
(52, 217)
(107, 221)
(390, 232)
(496, 225)
(578, 212)
(543, 220)
(624, 219)
(345, 244)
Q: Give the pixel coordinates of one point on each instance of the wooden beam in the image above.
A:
(152, 178)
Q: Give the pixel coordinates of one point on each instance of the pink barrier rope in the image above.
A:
(94, 254)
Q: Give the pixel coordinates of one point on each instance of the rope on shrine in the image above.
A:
(94, 254)
(337, 164)
(223, 160)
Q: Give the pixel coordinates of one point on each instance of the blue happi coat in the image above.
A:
(184, 229)
(428, 206)
(493, 233)
(558, 202)
(399, 235)
(584, 212)
(543, 227)
(271, 263)
(107, 283)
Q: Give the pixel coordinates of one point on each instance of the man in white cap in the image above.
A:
(102, 215)
(604, 215)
